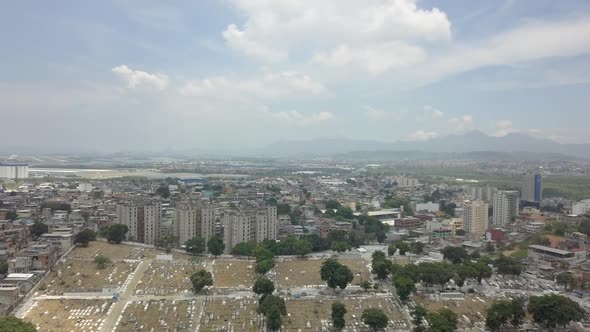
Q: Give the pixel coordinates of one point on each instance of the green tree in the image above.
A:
(262, 253)
(163, 191)
(404, 287)
(216, 246)
(566, 279)
(116, 233)
(3, 267)
(418, 316)
(264, 266)
(366, 285)
(332, 204)
(283, 208)
(374, 318)
(84, 237)
(195, 246)
(445, 320)
(245, 248)
(335, 274)
(271, 301)
(553, 310)
(508, 266)
(12, 215)
(274, 319)
(382, 268)
(338, 312)
(455, 255)
(302, 248)
(166, 242)
(417, 248)
(584, 227)
(503, 312)
(38, 229)
(200, 279)
(101, 261)
(263, 286)
(460, 232)
(13, 324)
(341, 246)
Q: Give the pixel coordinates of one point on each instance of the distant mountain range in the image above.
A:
(470, 145)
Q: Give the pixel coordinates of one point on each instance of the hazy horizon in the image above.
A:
(238, 74)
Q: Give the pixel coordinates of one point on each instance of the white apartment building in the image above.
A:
(405, 182)
(143, 221)
(427, 207)
(257, 225)
(85, 187)
(506, 206)
(236, 229)
(485, 194)
(475, 217)
(14, 171)
(191, 222)
(581, 208)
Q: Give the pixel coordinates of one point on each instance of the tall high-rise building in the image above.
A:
(249, 225)
(506, 205)
(191, 222)
(142, 219)
(532, 187)
(14, 170)
(475, 217)
(485, 194)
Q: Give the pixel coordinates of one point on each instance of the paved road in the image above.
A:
(117, 308)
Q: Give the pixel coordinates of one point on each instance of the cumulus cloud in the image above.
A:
(462, 122)
(275, 27)
(376, 58)
(503, 128)
(422, 135)
(269, 86)
(298, 118)
(137, 78)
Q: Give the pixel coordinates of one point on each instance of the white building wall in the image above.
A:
(582, 207)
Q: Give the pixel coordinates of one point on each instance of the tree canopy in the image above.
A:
(454, 254)
(216, 245)
(200, 279)
(39, 228)
(338, 312)
(554, 310)
(504, 312)
(508, 266)
(374, 318)
(116, 233)
(13, 324)
(84, 237)
(195, 246)
(335, 274)
(263, 286)
(445, 320)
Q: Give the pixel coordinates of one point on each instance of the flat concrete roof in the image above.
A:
(549, 249)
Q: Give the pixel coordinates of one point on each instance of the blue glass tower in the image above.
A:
(538, 188)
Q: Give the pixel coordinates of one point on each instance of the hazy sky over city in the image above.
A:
(128, 75)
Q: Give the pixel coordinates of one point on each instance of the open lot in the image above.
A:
(471, 310)
(158, 315)
(112, 251)
(314, 315)
(164, 278)
(84, 276)
(233, 273)
(306, 272)
(230, 315)
(68, 315)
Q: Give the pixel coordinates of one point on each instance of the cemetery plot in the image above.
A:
(306, 272)
(314, 315)
(112, 251)
(165, 278)
(230, 315)
(233, 274)
(469, 311)
(158, 315)
(68, 315)
(84, 276)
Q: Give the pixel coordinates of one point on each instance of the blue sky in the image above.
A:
(232, 74)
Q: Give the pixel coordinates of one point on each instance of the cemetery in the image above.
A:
(68, 315)
(470, 309)
(226, 314)
(306, 272)
(84, 276)
(164, 278)
(158, 315)
(233, 273)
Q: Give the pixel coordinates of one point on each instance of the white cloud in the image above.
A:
(461, 122)
(270, 86)
(138, 78)
(376, 58)
(379, 114)
(503, 128)
(435, 113)
(298, 118)
(273, 28)
(422, 135)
